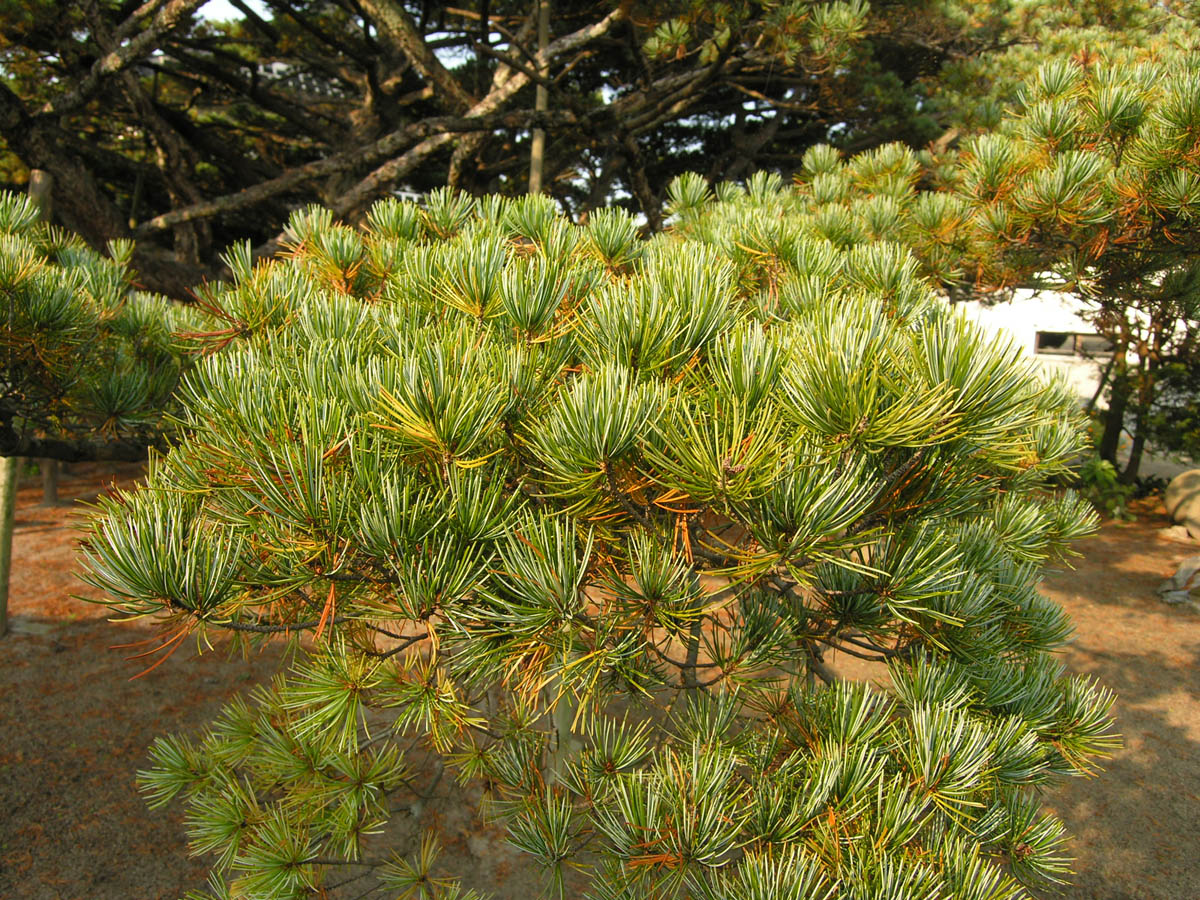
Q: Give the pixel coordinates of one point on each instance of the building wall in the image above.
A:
(1029, 312)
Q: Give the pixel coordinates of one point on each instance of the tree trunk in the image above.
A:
(537, 150)
(1091, 406)
(1114, 423)
(562, 716)
(49, 469)
(1135, 456)
(1114, 416)
(1147, 381)
(10, 468)
(41, 192)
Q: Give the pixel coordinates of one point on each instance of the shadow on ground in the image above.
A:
(75, 730)
(1137, 826)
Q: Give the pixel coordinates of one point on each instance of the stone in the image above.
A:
(1178, 588)
(1177, 533)
(1182, 488)
(1182, 500)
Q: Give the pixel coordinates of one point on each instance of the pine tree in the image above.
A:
(1089, 184)
(1092, 186)
(87, 364)
(598, 522)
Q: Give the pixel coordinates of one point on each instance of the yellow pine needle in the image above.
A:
(477, 461)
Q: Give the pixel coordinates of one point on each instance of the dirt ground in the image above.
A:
(74, 729)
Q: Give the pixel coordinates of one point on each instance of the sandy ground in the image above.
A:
(1136, 827)
(74, 729)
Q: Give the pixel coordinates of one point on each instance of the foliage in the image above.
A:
(199, 133)
(835, 204)
(1093, 187)
(87, 364)
(1101, 484)
(599, 522)
(1090, 186)
(974, 93)
(1173, 424)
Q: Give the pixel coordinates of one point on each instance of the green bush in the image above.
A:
(597, 523)
(1101, 484)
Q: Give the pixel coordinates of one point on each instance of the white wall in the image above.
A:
(1029, 312)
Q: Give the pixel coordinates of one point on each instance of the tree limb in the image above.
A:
(65, 450)
(388, 173)
(399, 30)
(442, 130)
(123, 55)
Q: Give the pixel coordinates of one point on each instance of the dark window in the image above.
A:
(1057, 342)
(1068, 343)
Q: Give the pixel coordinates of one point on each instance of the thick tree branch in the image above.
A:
(124, 54)
(442, 130)
(398, 29)
(80, 204)
(506, 84)
(82, 450)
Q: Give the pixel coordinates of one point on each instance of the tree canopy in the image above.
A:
(189, 134)
(1093, 187)
(597, 522)
(1088, 185)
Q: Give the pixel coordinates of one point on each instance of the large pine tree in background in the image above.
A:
(188, 134)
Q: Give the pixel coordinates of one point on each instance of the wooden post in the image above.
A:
(537, 150)
(10, 468)
(41, 192)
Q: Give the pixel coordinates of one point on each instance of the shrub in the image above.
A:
(1101, 484)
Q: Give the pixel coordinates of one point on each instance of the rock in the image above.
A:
(1182, 500)
(1181, 488)
(1177, 533)
(1178, 588)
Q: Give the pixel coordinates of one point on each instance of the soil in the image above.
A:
(74, 729)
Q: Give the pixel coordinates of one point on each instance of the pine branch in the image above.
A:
(438, 130)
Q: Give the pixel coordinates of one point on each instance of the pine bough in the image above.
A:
(713, 558)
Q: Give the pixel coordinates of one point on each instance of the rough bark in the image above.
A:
(442, 130)
(399, 31)
(505, 85)
(1114, 416)
(79, 202)
(128, 50)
